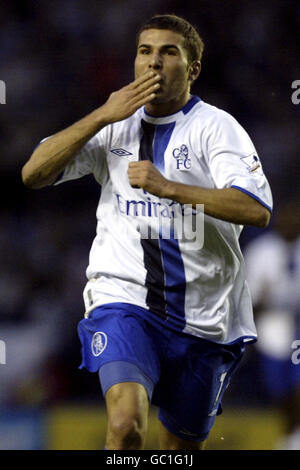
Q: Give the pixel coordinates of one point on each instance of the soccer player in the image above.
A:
(274, 286)
(165, 323)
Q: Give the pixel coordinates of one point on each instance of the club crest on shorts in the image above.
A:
(99, 343)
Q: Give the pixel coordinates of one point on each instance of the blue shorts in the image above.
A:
(184, 376)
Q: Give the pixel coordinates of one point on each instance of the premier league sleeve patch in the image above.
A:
(253, 163)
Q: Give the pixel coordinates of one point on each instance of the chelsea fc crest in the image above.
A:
(99, 343)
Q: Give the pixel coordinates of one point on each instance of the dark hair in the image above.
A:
(192, 41)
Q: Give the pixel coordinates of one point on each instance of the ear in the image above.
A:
(195, 69)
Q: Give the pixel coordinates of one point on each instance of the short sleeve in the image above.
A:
(233, 160)
(89, 160)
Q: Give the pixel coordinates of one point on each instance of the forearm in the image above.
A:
(228, 204)
(51, 157)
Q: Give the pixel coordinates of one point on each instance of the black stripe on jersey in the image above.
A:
(155, 279)
(146, 147)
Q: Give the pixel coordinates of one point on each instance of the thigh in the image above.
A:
(116, 335)
(193, 385)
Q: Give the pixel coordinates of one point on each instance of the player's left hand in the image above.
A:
(143, 174)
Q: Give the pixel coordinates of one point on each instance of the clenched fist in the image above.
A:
(144, 175)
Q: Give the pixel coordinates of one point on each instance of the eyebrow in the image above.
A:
(164, 46)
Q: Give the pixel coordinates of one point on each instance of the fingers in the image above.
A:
(141, 101)
(145, 88)
(124, 102)
(144, 174)
(141, 170)
(140, 164)
(145, 81)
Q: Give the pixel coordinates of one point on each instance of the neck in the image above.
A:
(163, 109)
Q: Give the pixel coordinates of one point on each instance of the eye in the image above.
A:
(171, 50)
(144, 51)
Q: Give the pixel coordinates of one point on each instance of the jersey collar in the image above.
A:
(171, 117)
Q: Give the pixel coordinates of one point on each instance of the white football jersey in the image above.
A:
(275, 283)
(202, 291)
(274, 286)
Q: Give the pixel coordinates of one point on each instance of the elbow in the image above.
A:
(29, 179)
(263, 218)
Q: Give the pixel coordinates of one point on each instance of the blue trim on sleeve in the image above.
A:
(36, 147)
(253, 196)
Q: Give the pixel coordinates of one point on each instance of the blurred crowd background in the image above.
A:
(62, 59)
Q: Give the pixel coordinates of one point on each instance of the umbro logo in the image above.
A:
(120, 152)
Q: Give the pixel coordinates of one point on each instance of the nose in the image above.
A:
(155, 62)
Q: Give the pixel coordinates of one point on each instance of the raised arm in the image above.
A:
(51, 157)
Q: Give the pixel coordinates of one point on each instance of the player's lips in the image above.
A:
(160, 76)
(160, 89)
(161, 83)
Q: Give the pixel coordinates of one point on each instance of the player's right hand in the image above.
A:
(123, 103)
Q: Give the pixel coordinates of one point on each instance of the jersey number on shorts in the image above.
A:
(215, 408)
